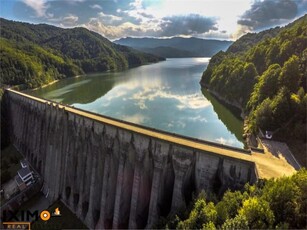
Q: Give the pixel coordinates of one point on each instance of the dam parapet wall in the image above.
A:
(114, 174)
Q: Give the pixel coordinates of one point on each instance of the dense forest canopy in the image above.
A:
(33, 55)
(265, 74)
(269, 204)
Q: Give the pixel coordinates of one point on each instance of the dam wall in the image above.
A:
(114, 174)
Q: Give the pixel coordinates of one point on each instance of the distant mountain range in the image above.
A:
(176, 47)
(34, 55)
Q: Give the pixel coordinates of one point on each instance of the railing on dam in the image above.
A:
(114, 174)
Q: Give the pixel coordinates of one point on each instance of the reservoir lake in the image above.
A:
(165, 96)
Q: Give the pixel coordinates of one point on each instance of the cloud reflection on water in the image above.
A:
(163, 96)
(224, 141)
(136, 118)
(189, 101)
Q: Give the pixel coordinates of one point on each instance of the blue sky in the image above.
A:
(220, 19)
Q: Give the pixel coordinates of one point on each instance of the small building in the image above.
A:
(26, 175)
(23, 163)
(21, 185)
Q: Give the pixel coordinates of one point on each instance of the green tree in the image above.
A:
(257, 213)
(285, 51)
(228, 207)
(267, 85)
(209, 226)
(272, 54)
(248, 81)
(264, 115)
(290, 76)
(276, 203)
(238, 222)
(283, 196)
(281, 107)
(200, 215)
(300, 180)
(257, 56)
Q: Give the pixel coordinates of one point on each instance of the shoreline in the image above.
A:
(50, 83)
(218, 96)
(250, 139)
(43, 86)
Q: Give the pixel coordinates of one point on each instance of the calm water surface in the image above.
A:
(165, 96)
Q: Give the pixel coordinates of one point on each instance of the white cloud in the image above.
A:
(136, 9)
(164, 18)
(226, 16)
(176, 124)
(191, 101)
(187, 25)
(139, 18)
(39, 6)
(123, 29)
(116, 92)
(225, 141)
(96, 6)
(109, 18)
(198, 118)
(96, 25)
(69, 21)
(170, 125)
(74, 1)
(268, 13)
(181, 124)
(136, 118)
(141, 104)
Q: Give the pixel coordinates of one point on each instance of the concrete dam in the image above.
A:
(114, 174)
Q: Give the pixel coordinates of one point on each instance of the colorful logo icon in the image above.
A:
(45, 215)
(56, 212)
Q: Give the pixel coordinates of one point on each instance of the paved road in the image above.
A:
(282, 151)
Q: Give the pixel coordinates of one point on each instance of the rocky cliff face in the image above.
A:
(109, 176)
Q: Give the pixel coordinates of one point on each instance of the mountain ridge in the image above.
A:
(197, 47)
(34, 55)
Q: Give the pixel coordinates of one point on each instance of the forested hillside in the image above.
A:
(265, 75)
(33, 55)
(176, 47)
(168, 52)
(269, 204)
